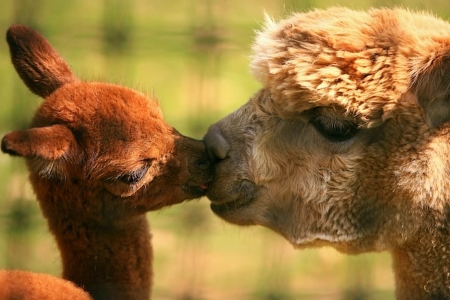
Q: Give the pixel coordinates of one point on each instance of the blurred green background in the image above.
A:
(194, 56)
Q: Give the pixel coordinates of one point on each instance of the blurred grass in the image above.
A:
(194, 56)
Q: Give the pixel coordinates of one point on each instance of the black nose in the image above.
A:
(203, 163)
(216, 145)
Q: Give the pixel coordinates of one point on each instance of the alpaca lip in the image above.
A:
(246, 193)
(222, 208)
(240, 195)
(204, 186)
(197, 190)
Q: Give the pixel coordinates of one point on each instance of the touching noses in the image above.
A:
(216, 145)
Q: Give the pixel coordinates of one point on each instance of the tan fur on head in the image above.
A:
(364, 61)
(347, 144)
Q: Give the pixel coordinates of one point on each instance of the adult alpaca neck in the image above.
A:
(100, 156)
(422, 265)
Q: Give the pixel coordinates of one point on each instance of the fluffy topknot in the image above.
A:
(362, 61)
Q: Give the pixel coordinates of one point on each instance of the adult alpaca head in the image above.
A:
(100, 156)
(347, 143)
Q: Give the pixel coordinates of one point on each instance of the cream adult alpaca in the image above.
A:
(347, 144)
(100, 156)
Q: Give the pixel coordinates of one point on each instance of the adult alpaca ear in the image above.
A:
(432, 89)
(49, 143)
(39, 65)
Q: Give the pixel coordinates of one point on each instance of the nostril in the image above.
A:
(216, 145)
(203, 163)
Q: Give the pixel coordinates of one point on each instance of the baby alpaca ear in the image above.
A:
(432, 89)
(49, 143)
(39, 65)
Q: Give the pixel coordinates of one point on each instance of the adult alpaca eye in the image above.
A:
(334, 130)
(135, 176)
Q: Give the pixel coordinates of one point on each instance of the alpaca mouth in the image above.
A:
(240, 197)
(196, 190)
(223, 208)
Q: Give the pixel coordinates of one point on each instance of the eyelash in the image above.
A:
(334, 130)
(134, 176)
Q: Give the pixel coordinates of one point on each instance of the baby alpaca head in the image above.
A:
(347, 143)
(104, 148)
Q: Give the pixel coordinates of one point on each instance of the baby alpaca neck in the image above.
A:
(110, 262)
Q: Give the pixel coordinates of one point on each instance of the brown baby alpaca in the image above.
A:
(100, 156)
(347, 144)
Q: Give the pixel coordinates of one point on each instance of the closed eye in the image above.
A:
(135, 176)
(335, 130)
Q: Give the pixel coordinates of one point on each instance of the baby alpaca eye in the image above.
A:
(135, 176)
(333, 129)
